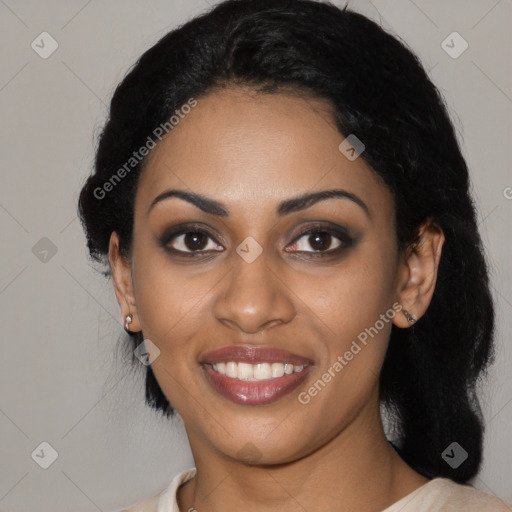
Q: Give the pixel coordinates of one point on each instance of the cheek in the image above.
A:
(352, 297)
(342, 303)
(355, 304)
(171, 306)
(170, 300)
(354, 346)
(173, 301)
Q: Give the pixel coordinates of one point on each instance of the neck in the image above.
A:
(356, 470)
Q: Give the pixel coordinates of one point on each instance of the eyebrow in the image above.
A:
(286, 207)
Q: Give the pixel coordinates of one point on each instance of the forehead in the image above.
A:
(250, 149)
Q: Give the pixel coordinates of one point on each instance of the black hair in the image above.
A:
(380, 92)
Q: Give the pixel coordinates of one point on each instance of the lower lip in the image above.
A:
(254, 392)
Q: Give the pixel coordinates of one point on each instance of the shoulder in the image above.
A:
(444, 495)
(148, 505)
(165, 500)
(470, 498)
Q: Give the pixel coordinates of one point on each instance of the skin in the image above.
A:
(251, 151)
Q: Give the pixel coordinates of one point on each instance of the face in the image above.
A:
(253, 274)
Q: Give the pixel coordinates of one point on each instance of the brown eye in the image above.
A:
(193, 241)
(322, 240)
(189, 242)
(319, 241)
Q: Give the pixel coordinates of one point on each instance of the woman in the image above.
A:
(285, 212)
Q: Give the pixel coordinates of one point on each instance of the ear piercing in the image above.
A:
(127, 321)
(409, 317)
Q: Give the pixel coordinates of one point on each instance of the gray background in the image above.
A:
(62, 376)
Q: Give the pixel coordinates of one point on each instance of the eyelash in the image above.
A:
(346, 241)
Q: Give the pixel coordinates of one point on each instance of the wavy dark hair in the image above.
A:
(379, 91)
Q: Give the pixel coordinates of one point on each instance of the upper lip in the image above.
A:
(253, 355)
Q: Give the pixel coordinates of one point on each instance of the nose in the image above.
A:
(254, 297)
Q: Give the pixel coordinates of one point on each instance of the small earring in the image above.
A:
(127, 321)
(409, 317)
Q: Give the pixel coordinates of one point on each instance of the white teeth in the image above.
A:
(262, 371)
(232, 370)
(245, 371)
(255, 372)
(277, 369)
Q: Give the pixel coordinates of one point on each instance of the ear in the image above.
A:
(418, 273)
(123, 284)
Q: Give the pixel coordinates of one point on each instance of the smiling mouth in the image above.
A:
(256, 372)
(254, 375)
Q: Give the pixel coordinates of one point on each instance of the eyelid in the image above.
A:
(335, 230)
(188, 227)
(341, 233)
(182, 229)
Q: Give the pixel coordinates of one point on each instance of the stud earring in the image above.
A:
(127, 321)
(409, 317)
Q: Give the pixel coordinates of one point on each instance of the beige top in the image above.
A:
(438, 495)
